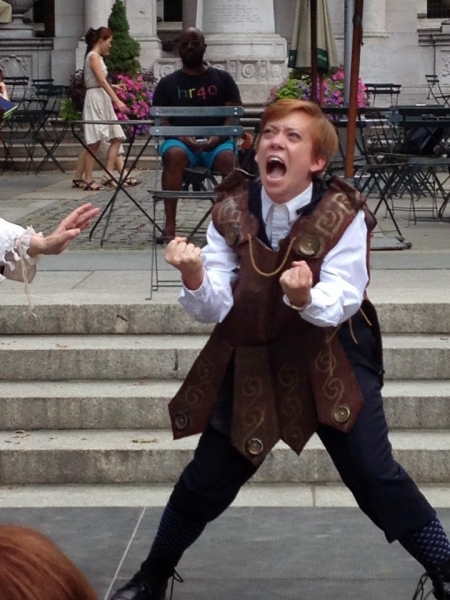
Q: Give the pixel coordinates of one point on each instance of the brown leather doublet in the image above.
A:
(289, 375)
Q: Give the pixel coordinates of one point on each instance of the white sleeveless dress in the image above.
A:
(98, 107)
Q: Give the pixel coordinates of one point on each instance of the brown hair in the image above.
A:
(94, 35)
(32, 567)
(325, 140)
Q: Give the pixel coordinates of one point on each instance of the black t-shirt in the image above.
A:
(213, 88)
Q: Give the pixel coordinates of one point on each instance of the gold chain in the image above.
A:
(280, 268)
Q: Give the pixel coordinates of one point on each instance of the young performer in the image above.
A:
(297, 350)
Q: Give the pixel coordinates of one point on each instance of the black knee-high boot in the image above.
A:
(152, 579)
(176, 532)
(440, 579)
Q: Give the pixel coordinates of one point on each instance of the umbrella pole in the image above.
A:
(314, 70)
(321, 90)
(348, 36)
(353, 100)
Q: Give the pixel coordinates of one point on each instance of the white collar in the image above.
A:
(292, 205)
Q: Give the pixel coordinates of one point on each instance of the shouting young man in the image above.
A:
(296, 350)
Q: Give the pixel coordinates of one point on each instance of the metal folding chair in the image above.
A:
(435, 91)
(34, 124)
(18, 136)
(389, 90)
(17, 88)
(204, 180)
(52, 130)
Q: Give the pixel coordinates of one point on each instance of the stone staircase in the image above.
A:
(67, 153)
(84, 393)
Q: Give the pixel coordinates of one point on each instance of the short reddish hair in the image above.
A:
(325, 140)
(32, 567)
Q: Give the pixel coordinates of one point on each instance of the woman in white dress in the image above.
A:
(98, 104)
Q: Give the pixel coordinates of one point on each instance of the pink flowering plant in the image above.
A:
(136, 91)
(298, 85)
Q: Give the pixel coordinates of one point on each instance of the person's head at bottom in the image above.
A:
(32, 567)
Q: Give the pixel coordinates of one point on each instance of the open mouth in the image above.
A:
(275, 167)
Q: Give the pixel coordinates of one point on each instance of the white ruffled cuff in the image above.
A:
(19, 265)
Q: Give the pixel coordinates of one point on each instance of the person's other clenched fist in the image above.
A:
(186, 257)
(297, 282)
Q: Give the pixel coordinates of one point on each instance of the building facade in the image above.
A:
(403, 40)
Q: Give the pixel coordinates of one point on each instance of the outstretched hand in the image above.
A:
(67, 230)
(297, 282)
(186, 257)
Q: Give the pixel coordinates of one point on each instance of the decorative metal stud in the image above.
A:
(308, 245)
(181, 421)
(342, 413)
(232, 234)
(254, 446)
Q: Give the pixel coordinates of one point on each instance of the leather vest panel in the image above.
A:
(288, 374)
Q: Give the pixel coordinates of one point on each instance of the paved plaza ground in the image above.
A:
(262, 553)
(42, 200)
(248, 553)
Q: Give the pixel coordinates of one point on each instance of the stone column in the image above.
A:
(189, 13)
(142, 16)
(374, 19)
(96, 13)
(241, 39)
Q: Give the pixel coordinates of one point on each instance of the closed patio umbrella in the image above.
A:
(5, 12)
(300, 54)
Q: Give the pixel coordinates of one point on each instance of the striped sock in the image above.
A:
(430, 545)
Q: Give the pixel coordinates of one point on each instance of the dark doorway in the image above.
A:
(173, 10)
(44, 12)
(438, 9)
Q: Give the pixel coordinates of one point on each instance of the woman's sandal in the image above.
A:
(108, 182)
(131, 182)
(92, 186)
(78, 183)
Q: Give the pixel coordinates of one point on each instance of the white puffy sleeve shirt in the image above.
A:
(335, 298)
(14, 245)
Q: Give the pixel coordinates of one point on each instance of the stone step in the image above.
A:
(68, 163)
(416, 356)
(151, 456)
(56, 358)
(71, 149)
(61, 358)
(86, 404)
(167, 316)
(157, 495)
(143, 404)
(147, 318)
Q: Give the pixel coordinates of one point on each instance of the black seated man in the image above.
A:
(194, 85)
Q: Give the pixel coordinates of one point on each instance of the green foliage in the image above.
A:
(69, 111)
(124, 53)
(289, 90)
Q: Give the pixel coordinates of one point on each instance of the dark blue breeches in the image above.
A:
(363, 457)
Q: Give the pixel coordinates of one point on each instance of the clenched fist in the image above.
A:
(186, 257)
(297, 282)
